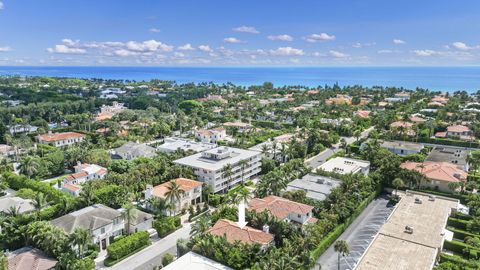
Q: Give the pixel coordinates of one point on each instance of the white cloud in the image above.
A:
(461, 46)
(384, 51)
(337, 54)
(179, 54)
(186, 47)
(149, 45)
(124, 53)
(5, 49)
(205, 48)
(154, 30)
(425, 52)
(62, 48)
(318, 54)
(281, 38)
(1, 6)
(361, 45)
(246, 29)
(283, 51)
(232, 40)
(70, 42)
(319, 37)
(398, 41)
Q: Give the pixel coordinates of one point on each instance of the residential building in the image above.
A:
(461, 132)
(191, 196)
(317, 187)
(72, 189)
(7, 150)
(60, 139)
(242, 127)
(85, 172)
(172, 144)
(439, 174)
(362, 114)
(28, 258)
(107, 112)
(234, 232)
(194, 261)
(450, 154)
(20, 204)
(19, 128)
(343, 165)
(213, 135)
(272, 149)
(404, 96)
(209, 166)
(393, 248)
(339, 100)
(133, 150)
(283, 209)
(101, 221)
(402, 148)
(141, 222)
(336, 121)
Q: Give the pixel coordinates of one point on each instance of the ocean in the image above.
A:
(449, 79)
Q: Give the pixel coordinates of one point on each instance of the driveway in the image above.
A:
(358, 236)
(151, 256)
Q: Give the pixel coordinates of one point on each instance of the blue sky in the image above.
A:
(239, 33)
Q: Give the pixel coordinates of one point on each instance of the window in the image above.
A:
(299, 216)
(102, 230)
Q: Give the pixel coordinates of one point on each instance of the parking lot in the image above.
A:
(358, 236)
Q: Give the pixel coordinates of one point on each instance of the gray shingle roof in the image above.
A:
(89, 218)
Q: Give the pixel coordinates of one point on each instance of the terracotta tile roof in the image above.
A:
(398, 124)
(435, 103)
(362, 114)
(313, 92)
(71, 187)
(441, 171)
(458, 128)
(417, 119)
(233, 232)
(59, 136)
(279, 207)
(77, 175)
(184, 183)
(439, 99)
(441, 134)
(31, 259)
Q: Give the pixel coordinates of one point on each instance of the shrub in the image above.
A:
(166, 225)
(461, 234)
(457, 223)
(128, 245)
(457, 260)
(167, 259)
(459, 248)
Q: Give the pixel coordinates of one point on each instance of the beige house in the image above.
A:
(191, 196)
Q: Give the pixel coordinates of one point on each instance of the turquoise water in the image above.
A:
(434, 78)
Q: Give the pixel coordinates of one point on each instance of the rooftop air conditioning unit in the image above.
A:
(409, 229)
(418, 200)
(320, 181)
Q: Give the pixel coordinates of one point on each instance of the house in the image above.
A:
(242, 127)
(440, 99)
(133, 150)
(28, 258)
(16, 129)
(404, 96)
(107, 112)
(72, 189)
(439, 174)
(403, 127)
(272, 149)
(20, 204)
(343, 165)
(85, 172)
(209, 166)
(7, 150)
(233, 232)
(172, 144)
(461, 132)
(141, 222)
(194, 261)
(316, 187)
(450, 154)
(402, 148)
(103, 223)
(339, 100)
(283, 209)
(191, 196)
(417, 119)
(362, 114)
(213, 135)
(60, 139)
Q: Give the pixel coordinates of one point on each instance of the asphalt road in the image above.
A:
(358, 236)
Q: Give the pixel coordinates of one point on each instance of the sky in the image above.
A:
(239, 33)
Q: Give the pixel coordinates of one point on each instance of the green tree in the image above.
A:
(227, 172)
(397, 183)
(342, 248)
(39, 202)
(167, 259)
(174, 194)
(201, 225)
(129, 214)
(80, 239)
(29, 166)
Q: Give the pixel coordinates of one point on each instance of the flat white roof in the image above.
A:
(194, 261)
(172, 144)
(199, 161)
(344, 165)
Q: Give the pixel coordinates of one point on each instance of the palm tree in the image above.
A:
(13, 211)
(29, 166)
(341, 246)
(39, 202)
(243, 164)
(453, 186)
(174, 193)
(200, 226)
(80, 238)
(283, 152)
(357, 133)
(129, 214)
(87, 196)
(397, 183)
(228, 173)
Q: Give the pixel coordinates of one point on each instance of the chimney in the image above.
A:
(266, 228)
(241, 215)
(148, 192)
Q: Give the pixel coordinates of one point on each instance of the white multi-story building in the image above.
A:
(213, 135)
(83, 173)
(343, 165)
(209, 166)
(60, 139)
(101, 221)
(172, 144)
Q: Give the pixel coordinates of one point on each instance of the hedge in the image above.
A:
(462, 216)
(457, 260)
(441, 141)
(333, 235)
(459, 248)
(124, 247)
(457, 223)
(17, 182)
(167, 225)
(461, 234)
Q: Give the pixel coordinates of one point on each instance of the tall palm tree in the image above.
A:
(80, 238)
(200, 226)
(341, 246)
(29, 166)
(39, 202)
(87, 196)
(397, 183)
(243, 164)
(174, 194)
(129, 213)
(228, 173)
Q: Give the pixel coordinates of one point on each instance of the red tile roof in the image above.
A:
(184, 183)
(71, 187)
(458, 128)
(77, 175)
(279, 207)
(60, 136)
(441, 171)
(31, 259)
(233, 232)
(398, 124)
